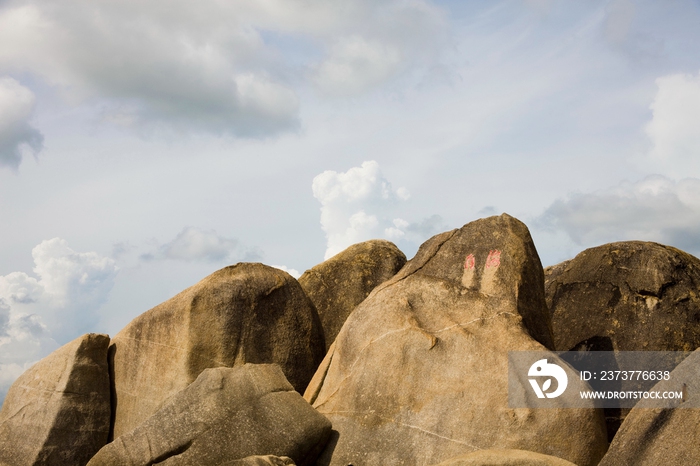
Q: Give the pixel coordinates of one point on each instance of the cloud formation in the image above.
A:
(673, 129)
(61, 303)
(219, 67)
(16, 133)
(356, 206)
(656, 208)
(380, 42)
(196, 245)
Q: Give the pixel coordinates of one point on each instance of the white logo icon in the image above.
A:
(542, 368)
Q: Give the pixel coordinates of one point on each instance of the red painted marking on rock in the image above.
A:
(469, 262)
(494, 259)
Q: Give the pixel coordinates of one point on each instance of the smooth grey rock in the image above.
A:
(226, 414)
(246, 313)
(58, 411)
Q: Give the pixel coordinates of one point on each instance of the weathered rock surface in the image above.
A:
(339, 284)
(632, 296)
(58, 411)
(419, 372)
(246, 313)
(226, 414)
(626, 296)
(267, 460)
(505, 458)
(653, 436)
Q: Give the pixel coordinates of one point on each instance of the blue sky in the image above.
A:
(144, 145)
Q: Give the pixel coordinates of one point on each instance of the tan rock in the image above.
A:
(58, 411)
(226, 414)
(246, 313)
(651, 436)
(339, 284)
(419, 372)
(267, 460)
(505, 458)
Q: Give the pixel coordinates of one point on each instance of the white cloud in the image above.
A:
(16, 133)
(38, 314)
(355, 65)
(386, 39)
(221, 67)
(79, 279)
(397, 231)
(653, 209)
(194, 244)
(673, 129)
(293, 272)
(356, 206)
(4, 317)
(65, 298)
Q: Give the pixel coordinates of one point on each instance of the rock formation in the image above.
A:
(246, 313)
(57, 412)
(267, 460)
(505, 458)
(626, 296)
(632, 296)
(339, 284)
(418, 373)
(226, 414)
(654, 436)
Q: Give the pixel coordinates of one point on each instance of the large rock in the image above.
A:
(58, 411)
(505, 458)
(419, 372)
(246, 313)
(267, 460)
(627, 296)
(651, 436)
(339, 284)
(224, 415)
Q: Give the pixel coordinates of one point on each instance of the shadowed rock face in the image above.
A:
(636, 295)
(658, 436)
(419, 372)
(226, 414)
(58, 411)
(339, 284)
(246, 313)
(626, 296)
(505, 458)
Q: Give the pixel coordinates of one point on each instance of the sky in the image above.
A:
(145, 145)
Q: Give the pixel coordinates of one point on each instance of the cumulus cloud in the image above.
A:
(195, 245)
(357, 206)
(221, 67)
(673, 129)
(16, 133)
(59, 304)
(654, 209)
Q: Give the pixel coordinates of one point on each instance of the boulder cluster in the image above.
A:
(369, 359)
